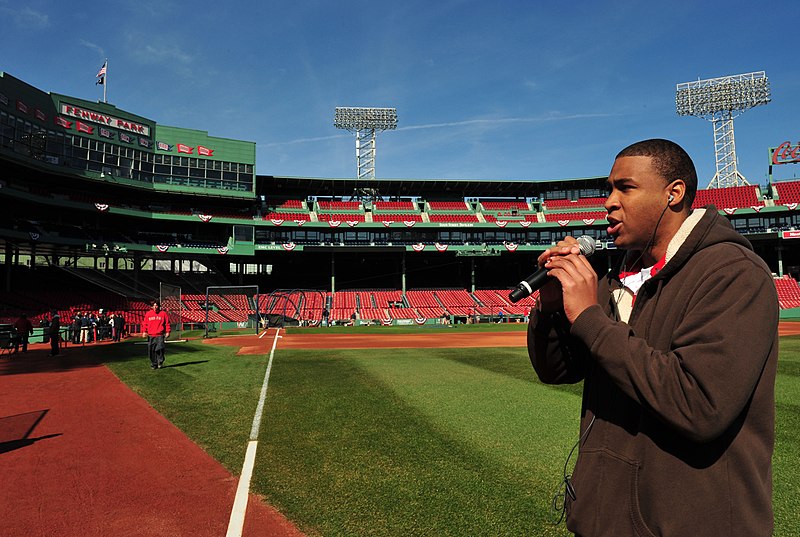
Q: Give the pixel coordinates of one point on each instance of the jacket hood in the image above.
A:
(702, 229)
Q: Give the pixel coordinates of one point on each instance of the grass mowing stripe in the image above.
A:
(345, 454)
(515, 421)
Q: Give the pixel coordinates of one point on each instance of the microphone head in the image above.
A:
(586, 245)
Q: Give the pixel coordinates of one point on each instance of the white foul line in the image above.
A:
(236, 522)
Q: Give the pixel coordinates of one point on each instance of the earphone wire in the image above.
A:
(648, 246)
(558, 504)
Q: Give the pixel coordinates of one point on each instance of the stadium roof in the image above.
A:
(302, 187)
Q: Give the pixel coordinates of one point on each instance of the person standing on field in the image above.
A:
(24, 330)
(156, 327)
(677, 349)
(54, 330)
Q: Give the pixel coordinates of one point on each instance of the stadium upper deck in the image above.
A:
(87, 181)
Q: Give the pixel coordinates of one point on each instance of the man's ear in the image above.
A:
(676, 192)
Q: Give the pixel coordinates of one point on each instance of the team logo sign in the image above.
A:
(101, 206)
(205, 217)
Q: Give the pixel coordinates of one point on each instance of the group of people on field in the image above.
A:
(90, 327)
(84, 327)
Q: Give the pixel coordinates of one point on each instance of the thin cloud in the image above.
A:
(158, 51)
(495, 122)
(27, 18)
(503, 121)
(307, 140)
(164, 53)
(94, 47)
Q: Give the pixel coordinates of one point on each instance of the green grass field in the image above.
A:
(406, 441)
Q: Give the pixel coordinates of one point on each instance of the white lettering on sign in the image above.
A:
(104, 119)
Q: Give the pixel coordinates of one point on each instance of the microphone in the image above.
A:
(536, 280)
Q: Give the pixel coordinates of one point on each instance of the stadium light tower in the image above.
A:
(365, 122)
(719, 100)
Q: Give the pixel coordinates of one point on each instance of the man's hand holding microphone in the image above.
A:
(565, 278)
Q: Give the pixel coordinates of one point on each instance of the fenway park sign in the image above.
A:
(104, 119)
(786, 153)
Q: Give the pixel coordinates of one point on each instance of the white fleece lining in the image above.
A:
(623, 297)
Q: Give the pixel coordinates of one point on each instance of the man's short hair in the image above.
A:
(671, 161)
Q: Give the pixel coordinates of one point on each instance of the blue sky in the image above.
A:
(483, 90)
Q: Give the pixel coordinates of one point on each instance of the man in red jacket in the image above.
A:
(156, 327)
(24, 330)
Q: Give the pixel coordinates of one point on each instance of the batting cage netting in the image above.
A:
(230, 308)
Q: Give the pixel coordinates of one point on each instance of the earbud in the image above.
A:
(671, 197)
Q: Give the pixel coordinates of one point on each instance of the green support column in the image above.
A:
(403, 276)
(137, 258)
(7, 267)
(333, 273)
(472, 274)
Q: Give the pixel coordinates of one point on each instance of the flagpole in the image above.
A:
(105, 83)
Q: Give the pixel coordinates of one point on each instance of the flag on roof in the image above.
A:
(101, 74)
